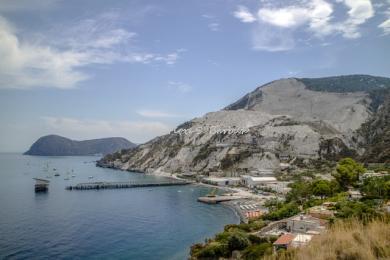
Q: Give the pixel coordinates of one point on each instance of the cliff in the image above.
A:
(282, 121)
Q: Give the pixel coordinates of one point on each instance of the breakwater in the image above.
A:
(125, 185)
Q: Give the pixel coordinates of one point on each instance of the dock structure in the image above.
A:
(41, 185)
(220, 198)
(125, 185)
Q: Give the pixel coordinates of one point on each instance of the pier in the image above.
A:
(219, 198)
(125, 185)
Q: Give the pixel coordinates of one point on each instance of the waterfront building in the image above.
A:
(222, 181)
(256, 181)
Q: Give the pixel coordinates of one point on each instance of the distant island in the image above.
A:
(55, 145)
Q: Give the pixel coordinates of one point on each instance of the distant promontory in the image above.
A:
(55, 145)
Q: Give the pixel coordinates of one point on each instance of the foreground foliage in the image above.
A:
(349, 239)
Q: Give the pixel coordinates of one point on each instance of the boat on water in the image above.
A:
(56, 174)
(90, 177)
(73, 176)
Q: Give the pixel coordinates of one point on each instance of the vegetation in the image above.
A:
(350, 83)
(353, 218)
(283, 210)
(377, 188)
(348, 172)
(234, 237)
(349, 239)
(376, 132)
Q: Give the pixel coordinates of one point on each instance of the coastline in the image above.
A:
(228, 204)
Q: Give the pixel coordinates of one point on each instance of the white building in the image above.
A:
(305, 223)
(301, 240)
(222, 181)
(255, 181)
(280, 186)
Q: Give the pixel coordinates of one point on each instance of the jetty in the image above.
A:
(126, 185)
(220, 198)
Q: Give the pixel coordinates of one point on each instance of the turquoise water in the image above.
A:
(142, 223)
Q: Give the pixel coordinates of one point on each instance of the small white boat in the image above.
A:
(90, 177)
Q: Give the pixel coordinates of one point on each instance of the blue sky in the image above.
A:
(94, 68)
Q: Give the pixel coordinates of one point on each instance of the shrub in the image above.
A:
(256, 252)
(238, 241)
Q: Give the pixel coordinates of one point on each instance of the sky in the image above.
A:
(94, 68)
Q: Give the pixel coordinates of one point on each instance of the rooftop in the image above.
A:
(284, 239)
(259, 179)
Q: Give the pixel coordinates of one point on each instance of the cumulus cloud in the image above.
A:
(137, 131)
(385, 26)
(57, 63)
(317, 17)
(244, 15)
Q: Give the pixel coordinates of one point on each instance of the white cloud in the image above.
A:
(138, 131)
(284, 17)
(57, 63)
(359, 12)
(244, 15)
(314, 16)
(214, 27)
(385, 26)
(156, 114)
(180, 86)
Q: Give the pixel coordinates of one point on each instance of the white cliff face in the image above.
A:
(282, 117)
(343, 111)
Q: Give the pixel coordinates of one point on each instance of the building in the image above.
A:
(284, 157)
(280, 187)
(300, 240)
(305, 223)
(284, 241)
(256, 181)
(222, 181)
(253, 214)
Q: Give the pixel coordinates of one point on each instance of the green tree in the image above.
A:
(347, 172)
(238, 241)
(377, 188)
(322, 188)
(300, 192)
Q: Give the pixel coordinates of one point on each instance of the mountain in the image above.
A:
(54, 145)
(296, 120)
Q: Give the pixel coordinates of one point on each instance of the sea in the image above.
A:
(139, 223)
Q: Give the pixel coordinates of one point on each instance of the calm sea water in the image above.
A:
(142, 223)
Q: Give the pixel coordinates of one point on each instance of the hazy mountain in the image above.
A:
(306, 119)
(54, 145)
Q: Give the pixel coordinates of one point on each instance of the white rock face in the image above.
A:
(282, 117)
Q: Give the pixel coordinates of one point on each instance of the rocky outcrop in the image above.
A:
(279, 121)
(54, 145)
